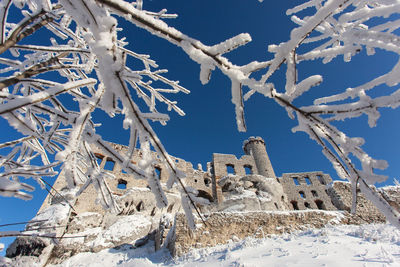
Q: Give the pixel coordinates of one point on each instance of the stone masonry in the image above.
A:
(310, 193)
(307, 190)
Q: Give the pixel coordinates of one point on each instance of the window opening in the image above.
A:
(248, 169)
(307, 180)
(302, 195)
(320, 204)
(110, 164)
(321, 179)
(307, 205)
(207, 181)
(230, 169)
(296, 181)
(314, 193)
(294, 204)
(205, 195)
(99, 158)
(158, 172)
(121, 184)
(140, 206)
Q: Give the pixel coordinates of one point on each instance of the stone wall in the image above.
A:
(341, 195)
(220, 228)
(220, 165)
(126, 186)
(392, 195)
(307, 190)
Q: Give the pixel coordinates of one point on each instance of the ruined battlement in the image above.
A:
(253, 172)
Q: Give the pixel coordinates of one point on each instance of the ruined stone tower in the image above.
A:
(255, 147)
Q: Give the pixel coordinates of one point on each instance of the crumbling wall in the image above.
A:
(127, 186)
(222, 161)
(341, 195)
(220, 165)
(307, 190)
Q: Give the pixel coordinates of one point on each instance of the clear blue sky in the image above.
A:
(209, 125)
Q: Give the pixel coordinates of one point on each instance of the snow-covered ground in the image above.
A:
(367, 245)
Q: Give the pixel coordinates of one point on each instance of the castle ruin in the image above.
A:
(221, 183)
(232, 185)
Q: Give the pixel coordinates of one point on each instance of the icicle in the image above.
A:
(205, 73)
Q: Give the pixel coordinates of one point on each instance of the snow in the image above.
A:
(126, 227)
(230, 44)
(365, 245)
(54, 214)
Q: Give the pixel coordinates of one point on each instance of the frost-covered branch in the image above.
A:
(90, 60)
(340, 28)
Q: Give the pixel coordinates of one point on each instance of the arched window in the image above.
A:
(320, 204)
(314, 193)
(207, 181)
(140, 206)
(121, 184)
(307, 205)
(302, 195)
